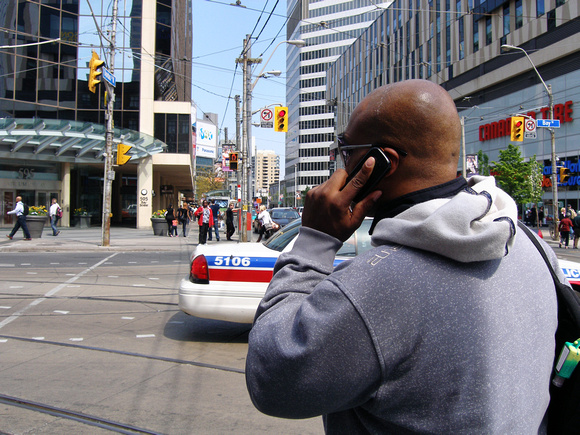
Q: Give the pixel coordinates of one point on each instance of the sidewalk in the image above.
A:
(121, 239)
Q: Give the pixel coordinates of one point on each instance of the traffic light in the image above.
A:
(564, 174)
(281, 119)
(233, 161)
(122, 150)
(94, 64)
(517, 133)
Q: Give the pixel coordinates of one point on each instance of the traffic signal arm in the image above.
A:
(517, 129)
(281, 119)
(564, 174)
(234, 161)
(94, 72)
(122, 156)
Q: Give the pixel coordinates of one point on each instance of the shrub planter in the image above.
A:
(83, 221)
(35, 225)
(159, 226)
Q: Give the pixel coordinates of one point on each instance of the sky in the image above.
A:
(219, 29)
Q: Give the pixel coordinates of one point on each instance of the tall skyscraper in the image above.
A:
(328, 27)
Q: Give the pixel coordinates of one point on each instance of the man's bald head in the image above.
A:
(419, 117)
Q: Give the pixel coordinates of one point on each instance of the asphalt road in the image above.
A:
(93, 342)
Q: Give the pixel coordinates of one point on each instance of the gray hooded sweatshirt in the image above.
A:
(446, 326)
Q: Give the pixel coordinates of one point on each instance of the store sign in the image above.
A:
(206, 140)
(573, 179)
(495, 130)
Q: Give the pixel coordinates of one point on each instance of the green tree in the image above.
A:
(206, 181)
(483, 162)
(521, 180)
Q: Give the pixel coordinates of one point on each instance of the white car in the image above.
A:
(228, 281)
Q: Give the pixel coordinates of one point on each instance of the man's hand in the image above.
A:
(328, 209)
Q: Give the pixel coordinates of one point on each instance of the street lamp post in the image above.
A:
(246, 61)
(552, 133)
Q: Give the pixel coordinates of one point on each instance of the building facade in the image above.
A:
(459, 46)
(267, 171)
(328, 27)
(44, 55)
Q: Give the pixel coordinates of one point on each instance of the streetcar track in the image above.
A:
(95, 298)
(126, 353)
(69, 414)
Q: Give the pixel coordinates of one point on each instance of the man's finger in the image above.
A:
(359, 180)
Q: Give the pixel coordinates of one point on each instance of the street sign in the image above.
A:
(108, 77)
(530, 129)
(554, 123)
(266, 118)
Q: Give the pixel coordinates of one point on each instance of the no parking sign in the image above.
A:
(530, 129)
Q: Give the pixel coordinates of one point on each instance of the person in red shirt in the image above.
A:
(564, 228)
(205, 220)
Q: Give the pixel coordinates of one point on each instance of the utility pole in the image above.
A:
(109, 171)
(238, 145)
(246, 61)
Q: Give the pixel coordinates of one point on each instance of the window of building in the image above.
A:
(506, 19)
(461, 39)
(519, 14)
(540, 8)
(551, 17)
(488, 31)
(475, 35)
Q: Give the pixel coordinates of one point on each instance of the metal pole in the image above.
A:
(248, 132)
(246, 181)
(109, 175)
(295, 187)
(554, 163)
(552, 133)
(464, 171)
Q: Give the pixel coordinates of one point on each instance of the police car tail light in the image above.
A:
(199, 273)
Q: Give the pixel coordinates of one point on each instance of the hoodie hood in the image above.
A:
(477, 224)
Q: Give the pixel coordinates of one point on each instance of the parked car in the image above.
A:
(227, 281)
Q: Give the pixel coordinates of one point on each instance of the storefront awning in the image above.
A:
(68, 141)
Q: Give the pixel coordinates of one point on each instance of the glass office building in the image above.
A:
(45, 47)
(328, 27)
(457, 44)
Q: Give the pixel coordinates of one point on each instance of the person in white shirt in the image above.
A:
(21, 220)
(54, 216)
(265, 220)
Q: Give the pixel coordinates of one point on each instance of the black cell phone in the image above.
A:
(382, 166)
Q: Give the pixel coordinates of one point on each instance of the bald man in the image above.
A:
(445, 326)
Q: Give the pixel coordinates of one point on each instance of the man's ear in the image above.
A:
(394, 158)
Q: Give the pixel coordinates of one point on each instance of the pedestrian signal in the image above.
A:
(122, 150)
(517, 133)
(281, 119)
(233, 161)
(94, 72)
(564, 175)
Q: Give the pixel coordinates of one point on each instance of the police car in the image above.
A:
(571, 272)
(228, 281)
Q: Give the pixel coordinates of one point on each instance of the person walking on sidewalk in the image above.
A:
(564, 228)
(205, 221)
(184, 215)
(21, 220)
(230, 228)
(171, 221)
(215, 210)
(54, 213)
